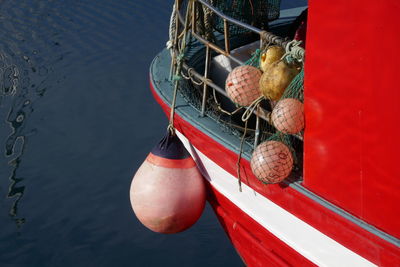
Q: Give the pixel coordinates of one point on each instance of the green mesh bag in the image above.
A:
(296, 87)
(289, 141)
(253, 12)
(254, 60)
(288, 113)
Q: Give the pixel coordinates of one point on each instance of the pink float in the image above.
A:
(243, 85)
(272, 162)
(288, 116)
(167, 192)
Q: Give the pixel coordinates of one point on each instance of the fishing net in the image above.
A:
(279, 145)
(288, 116)
(242, 85)
(272, 161)
(296, 87)
(280, 152)
(292, 164)
(254, 60)
(288, 113)
(253, 12)
(288, 119)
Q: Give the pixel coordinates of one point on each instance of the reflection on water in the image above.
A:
(30, 33)
(24, 81)
(10, 87)
(16, 192)
(76, 119)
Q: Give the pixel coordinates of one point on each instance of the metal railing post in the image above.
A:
(206, 69)
(194, 16)
(226, 36)
(257, 132)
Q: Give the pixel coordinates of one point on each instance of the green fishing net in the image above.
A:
(286, 139)
(254, 60)
(253, 12)
(286, 117)
(296, 87)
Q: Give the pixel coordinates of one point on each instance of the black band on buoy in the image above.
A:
(171, 147)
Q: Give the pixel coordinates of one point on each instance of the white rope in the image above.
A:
(172, 29)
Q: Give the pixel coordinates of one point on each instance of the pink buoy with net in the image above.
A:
(272, 162)
(242, 85)
(288, 116)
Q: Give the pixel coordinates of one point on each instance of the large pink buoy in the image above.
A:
(167, 192)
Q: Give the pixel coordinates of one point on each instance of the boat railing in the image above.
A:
(188, 22)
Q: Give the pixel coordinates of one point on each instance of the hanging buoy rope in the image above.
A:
(245, 118)
(178, 61)
(176, 80)
(240, 157)
(167, 192)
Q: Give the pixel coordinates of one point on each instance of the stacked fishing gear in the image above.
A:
(280, 82)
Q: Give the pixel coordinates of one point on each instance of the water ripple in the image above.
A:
(73, 75)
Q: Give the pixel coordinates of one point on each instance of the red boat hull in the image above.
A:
(258, 246)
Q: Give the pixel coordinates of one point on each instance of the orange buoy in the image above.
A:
(167, 192)
(271, 162)
(242, 85)
(288, 116)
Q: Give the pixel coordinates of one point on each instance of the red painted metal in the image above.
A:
(256, 245)
(351, 108)
(328, 222)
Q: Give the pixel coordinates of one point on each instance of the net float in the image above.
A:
(276, 78)
(273, 54)
(242, 85)
(167, 192)
(271, 162)
(288, 116)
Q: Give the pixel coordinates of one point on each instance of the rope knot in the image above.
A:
(295, 50)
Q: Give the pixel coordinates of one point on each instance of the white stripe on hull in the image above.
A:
(306, 240)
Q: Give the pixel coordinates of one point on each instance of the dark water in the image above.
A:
(77, 119)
